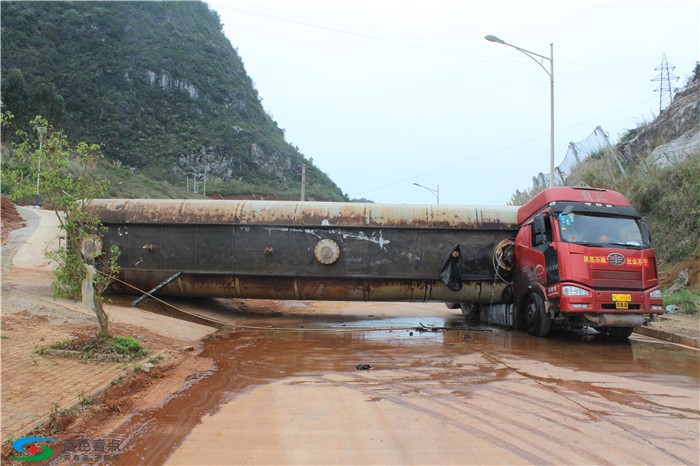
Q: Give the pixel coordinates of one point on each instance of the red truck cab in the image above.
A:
(584, 257)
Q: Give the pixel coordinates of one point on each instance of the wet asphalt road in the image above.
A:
(287, 390)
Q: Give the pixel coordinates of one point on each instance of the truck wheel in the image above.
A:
(620, 332)
(537, 320)
(470, 311)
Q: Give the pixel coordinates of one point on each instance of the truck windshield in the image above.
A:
(602, 231)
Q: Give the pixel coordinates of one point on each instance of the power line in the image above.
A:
(486, 154)
(383, 36)
(429, 45)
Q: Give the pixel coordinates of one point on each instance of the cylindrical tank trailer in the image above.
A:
(311, 250)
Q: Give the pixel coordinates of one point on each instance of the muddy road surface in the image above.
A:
(285, 388)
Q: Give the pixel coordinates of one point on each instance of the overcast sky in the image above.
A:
(383, 94)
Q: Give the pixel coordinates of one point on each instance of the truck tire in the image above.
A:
(620, 332)
(470, 311)
(537, 320)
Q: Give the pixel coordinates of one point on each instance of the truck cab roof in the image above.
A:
(570, 194)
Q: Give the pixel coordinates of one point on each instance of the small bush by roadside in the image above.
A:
(95, 347)
(688, 301)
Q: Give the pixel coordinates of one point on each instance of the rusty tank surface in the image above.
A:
(309, 250)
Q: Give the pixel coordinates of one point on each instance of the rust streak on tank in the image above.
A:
(303, 213)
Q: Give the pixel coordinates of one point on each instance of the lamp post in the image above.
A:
(534, 56)
(436, 192)
(41, 130)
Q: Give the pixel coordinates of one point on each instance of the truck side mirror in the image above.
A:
(538, 225)
(539, 230)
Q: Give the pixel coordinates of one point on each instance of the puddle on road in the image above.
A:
(280, 348)
(246, 358)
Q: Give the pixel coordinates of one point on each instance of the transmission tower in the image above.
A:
(665, 77)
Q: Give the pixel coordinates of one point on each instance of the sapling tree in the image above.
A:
(42, 164)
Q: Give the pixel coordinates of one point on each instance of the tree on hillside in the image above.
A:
(155, 84)
(42, 164)
(14, 92)
(46, 100)
(40, 95)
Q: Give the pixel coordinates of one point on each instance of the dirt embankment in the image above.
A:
(692, 264)
(11, 219)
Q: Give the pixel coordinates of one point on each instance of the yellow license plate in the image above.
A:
(625, 298)
(621, 305)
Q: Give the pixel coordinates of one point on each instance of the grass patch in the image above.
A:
(687, 300)
(668, 198)
(85, 400)
(155, 360)
(127, 348)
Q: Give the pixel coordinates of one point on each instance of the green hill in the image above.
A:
(158, 86)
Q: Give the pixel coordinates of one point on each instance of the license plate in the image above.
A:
(621, 305)
(625, 298)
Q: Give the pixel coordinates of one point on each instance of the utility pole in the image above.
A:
(540, 59)
(41, 130)
(303, 182)
(205, 180)
(664, 78)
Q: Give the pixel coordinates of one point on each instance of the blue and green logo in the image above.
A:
(38, 453)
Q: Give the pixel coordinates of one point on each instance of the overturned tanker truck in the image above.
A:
(570, 257)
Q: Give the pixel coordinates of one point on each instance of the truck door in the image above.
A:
(536, 262)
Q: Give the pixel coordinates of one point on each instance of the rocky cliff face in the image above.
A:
(673, 135)
(214, 162)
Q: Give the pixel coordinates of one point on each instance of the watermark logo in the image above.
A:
(91, 451)
(38, 453)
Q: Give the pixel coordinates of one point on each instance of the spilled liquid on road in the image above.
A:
(245, 358)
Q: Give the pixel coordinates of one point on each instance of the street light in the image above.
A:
(41, 130)
(436, 192)
(550, 72)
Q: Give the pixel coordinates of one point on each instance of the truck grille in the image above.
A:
(618, 279)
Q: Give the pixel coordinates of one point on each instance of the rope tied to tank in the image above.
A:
(218, 323)
(503, 260)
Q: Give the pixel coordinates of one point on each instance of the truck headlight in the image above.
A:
(655, 294)
(569, 290)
